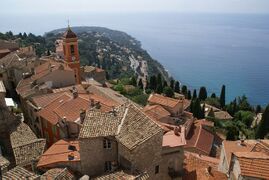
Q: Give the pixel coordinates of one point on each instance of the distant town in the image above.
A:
(63, 119)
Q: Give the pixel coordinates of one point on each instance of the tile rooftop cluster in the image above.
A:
(165, 101)
(118, 124)
(58, 174)
(19, 173)
(26, 146)
(59, 152)
(120, 174)
(199, 168)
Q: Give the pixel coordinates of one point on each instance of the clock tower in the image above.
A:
(71, 54)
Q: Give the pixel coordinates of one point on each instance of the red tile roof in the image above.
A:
(156, 112)
(58, 153)
(44, 100)
(200, 138)
(67, 106)
(162, 100)
(253, 164)
(196, 167)
(170, 139)
(48, 112)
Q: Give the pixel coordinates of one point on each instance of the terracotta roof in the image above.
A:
(186, 103)
(19, 173)
(254, 164)
(126, 117)
(27, 86)
(200, 138)
(4, 51)
(59, 153)
(58, 174)
(156, 111)
(170, 139)
(26, 146)
(67, 106)
(48, 112)
(162, 100)
(204, 122)
(236, 146)
(44, 100)
(197, 168)
(107, 93)
(69, 33)
(80, 89)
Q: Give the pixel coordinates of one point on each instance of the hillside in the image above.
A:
(115, 51)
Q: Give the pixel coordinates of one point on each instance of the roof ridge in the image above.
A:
(122, 120)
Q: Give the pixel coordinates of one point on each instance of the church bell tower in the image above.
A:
(71, 54)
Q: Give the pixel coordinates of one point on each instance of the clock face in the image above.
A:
(73, 58)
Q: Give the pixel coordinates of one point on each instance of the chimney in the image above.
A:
(91, 103)
(176, 131)
(114, 111)
(74, 92)
(71, 156)
(82, 115)
(98, 105)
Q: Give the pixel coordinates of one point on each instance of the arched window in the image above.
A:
(72, 48)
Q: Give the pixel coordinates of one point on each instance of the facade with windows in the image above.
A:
(126, 139)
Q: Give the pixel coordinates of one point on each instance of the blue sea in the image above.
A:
(197, 49)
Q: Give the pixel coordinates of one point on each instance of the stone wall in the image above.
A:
(146, 156)
(93, 155)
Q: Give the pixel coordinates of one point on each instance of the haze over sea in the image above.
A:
(197, 49)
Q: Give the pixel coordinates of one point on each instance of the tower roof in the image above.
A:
(69, 33)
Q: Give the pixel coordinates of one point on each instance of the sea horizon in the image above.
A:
(198, 49)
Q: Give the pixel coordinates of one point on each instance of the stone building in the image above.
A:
(127, 139)
(237, 155)
(19, 172)
(91, 72)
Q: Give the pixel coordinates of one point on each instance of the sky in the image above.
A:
(132, 6)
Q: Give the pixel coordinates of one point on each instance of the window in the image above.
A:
(108, 166)
(107, 144)
(72, 48)
(157, 168)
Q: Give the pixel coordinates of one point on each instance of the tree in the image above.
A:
(189, 94)
(172, 83)
(202, 93)
(168, 91)
(165, 83)
(222, 96)
(258, 109)
(194, 96)
(263, 127)
(232, 133)
(184, 90)
(159, 84)
(133, 81)
(197, 110)
(48, 52)
(213, 102)
(177, 88)
(213, 95)
(140, 84)
(153, 82)
(243, 104)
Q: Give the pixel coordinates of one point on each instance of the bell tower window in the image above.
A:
(72, 48)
